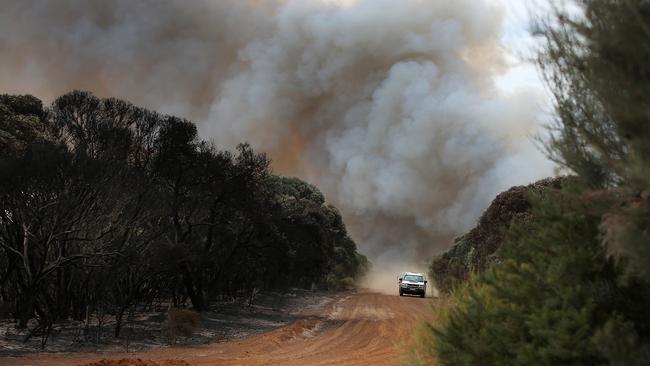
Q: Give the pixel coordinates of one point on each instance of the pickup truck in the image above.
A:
(412, 283)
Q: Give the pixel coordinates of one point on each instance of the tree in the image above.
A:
(573, 282)
(21, 123)
(549, 298)
(107, 207)
(595, 63)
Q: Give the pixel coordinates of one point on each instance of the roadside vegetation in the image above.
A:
(570, 283)
(476, 250)
(105, 207)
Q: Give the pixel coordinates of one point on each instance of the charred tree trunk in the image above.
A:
(27, 310)
(118, 321)
(194, 290)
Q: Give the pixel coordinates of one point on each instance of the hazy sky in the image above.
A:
(410, 115)
(519, 41)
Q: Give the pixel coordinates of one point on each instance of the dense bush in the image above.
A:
(554, 297)
(572, 283)
(551, 298)
(596, 64)
(477, 249)
(105, 206)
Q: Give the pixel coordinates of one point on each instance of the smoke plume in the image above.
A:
(389, 106)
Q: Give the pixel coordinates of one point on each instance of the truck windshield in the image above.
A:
(412, 278)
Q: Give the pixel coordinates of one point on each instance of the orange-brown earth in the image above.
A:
(364, 328)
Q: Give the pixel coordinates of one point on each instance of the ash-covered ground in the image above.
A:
(224, 321)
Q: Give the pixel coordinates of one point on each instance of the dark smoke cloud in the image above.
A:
(390, 106)
(170, 55)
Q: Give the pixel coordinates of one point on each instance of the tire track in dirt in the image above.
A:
(364, 328)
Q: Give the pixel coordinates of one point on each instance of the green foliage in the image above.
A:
(477, 249)
(572, 282)
(447, 270)
(596, 64)
(316, 235)
(619, 342)
(549, 300)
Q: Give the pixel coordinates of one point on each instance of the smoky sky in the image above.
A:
(389, 106)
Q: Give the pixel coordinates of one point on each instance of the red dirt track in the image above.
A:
(361, 329)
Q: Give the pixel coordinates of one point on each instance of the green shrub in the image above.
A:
(477, 249)
(571, 284)
(549, 300)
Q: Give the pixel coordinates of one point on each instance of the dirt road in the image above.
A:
(360, 329)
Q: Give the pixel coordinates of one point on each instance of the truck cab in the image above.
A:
(412, 283)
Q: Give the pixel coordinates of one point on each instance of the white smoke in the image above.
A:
(397, 102)
(389, 106)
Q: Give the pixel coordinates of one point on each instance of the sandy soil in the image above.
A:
(363, 328)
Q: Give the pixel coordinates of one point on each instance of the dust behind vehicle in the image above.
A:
(412, 283)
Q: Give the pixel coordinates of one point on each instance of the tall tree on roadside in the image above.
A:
(573, 282)
(596, 65)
